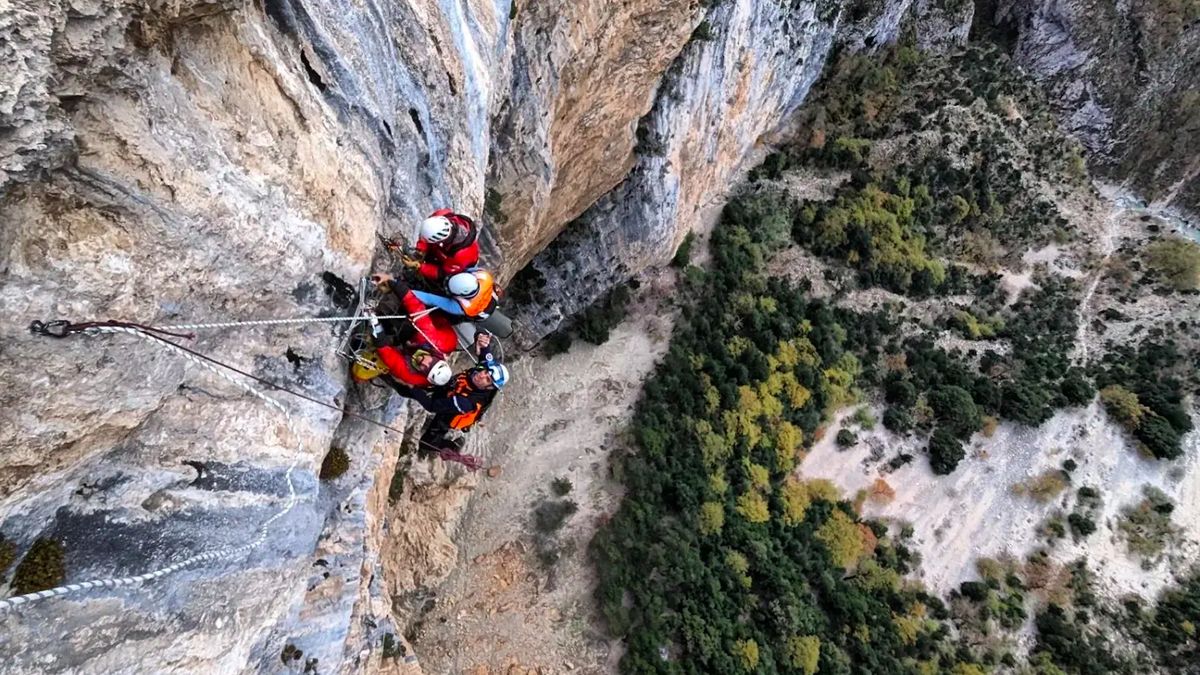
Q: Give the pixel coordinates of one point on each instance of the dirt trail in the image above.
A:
(502, 610)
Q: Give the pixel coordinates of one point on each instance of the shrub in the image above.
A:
(1159, 437)
(42, 568)
(560, 486)
(846, 438)
(863, 418)
(597, 321)
(882, 492)
(335, 464)
(1076, 390)
(901, 393)
(557, 343)
(945, 452)
(1081, 525)
(1147, 525)
(683, 254)
(549, 516)
(8, 553)
(1123, 405)
(1044, 487)
(898, 420)
(1177, 260)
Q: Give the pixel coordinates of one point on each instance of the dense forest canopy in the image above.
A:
(723, 557)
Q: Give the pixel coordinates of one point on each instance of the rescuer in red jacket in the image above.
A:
(448, 244)
(413, 347)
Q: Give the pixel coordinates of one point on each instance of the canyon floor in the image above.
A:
(503, 609)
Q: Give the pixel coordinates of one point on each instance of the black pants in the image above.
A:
(434, 436)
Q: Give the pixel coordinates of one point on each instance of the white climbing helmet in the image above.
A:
(435, 229)
(463, 285)
(440, 374)
(499, 373)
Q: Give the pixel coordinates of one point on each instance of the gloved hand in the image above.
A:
(410, 262)
(482, 339)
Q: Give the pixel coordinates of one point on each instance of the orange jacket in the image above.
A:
(484, 302)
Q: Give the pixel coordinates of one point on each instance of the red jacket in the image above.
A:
(400, 366)
(457, 253)
(434, 329)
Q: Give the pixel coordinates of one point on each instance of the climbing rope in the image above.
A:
(62, 329)
(286, 322)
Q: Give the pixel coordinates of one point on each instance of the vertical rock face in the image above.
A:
(1124, 76)
(583, 74)
(192, 162)
(732, 87)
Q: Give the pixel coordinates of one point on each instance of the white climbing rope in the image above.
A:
(208, 557)
(285, 322)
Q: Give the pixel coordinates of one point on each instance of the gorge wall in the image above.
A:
(179, 162)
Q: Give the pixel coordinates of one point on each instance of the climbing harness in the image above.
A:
(161, 335)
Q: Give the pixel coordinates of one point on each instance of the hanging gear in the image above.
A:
(367, 367)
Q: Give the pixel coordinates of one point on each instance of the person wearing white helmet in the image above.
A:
(461, 403)
(473, 295)
(448, 243)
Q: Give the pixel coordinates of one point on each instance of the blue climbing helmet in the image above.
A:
(499, 374)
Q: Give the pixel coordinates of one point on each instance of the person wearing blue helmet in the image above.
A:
(460, 404)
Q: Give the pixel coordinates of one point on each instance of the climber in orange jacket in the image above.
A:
(448, 244)
(473, 294)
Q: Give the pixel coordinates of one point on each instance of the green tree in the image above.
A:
(796, 501)
(747, 653)
(956, 410)
(1177, 260)
(842, 537)
(804, 653)
(712, 517)
(753, 507)
(945, 451)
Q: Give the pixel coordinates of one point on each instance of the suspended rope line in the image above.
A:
(226, 553)
(285, 322)
(160, 335)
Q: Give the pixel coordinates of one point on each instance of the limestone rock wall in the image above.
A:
(1125, 76)
(731, 90)
(177, 162)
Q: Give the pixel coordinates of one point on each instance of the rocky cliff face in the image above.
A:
(748, 66)
(1124, 77)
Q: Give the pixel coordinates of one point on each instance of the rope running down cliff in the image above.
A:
(159, 336)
